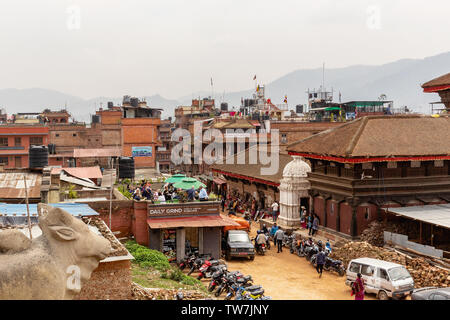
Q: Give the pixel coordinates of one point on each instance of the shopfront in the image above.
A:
(174, 228)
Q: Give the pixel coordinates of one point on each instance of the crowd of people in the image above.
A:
(168, 192)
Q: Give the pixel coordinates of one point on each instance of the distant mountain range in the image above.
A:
(400, 81)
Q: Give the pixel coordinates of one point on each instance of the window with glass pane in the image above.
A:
(36, 141)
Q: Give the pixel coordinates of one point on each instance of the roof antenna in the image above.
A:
(323, 76)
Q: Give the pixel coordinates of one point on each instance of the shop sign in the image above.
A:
(187, 209)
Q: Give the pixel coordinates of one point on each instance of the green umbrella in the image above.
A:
(175, 178)
(187, 183)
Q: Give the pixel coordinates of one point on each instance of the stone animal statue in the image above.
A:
(54, 265)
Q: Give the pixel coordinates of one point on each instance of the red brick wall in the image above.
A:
(110, 281)
(121, 216)
(141, 226)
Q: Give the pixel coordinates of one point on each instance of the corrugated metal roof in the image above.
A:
(81, 172)
(12, 185)
(198, 221)
(75, 209)
(96, 153)
(436, 214)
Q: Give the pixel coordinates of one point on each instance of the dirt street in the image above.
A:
(286, 276)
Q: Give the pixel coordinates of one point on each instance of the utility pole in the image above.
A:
(28, 207)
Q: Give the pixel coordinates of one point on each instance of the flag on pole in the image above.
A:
(257, 88)
(254, 78)
(285, 98)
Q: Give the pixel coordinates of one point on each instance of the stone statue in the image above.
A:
(54, 265)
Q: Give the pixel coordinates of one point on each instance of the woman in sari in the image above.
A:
(358, 288)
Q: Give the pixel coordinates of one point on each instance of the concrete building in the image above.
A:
(15, 141)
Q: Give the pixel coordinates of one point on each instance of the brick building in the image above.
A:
(363, 167)
(15, 141)
(247, 182)
(291, 130)
(163, 152)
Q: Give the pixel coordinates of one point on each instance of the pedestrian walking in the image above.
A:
(309, 224)
(274, 211)
(279, 239)
(358, 287)
(222, 204)
(273, 230)
(320, 260)
(315, 225)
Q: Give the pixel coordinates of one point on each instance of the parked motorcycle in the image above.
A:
(311, 251)
(237, 287)
(216, 279)
(209, 267)
(334, 265)
(188, 260)
(230, 279)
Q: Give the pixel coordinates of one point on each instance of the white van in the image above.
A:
(385, 279)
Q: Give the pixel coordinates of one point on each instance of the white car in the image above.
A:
(383, 278)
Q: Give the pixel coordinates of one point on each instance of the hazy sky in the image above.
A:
(93, 48)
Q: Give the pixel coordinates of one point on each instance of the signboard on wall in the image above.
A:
(141, 151)
(185, 209)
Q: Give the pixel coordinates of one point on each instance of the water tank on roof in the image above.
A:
(38, 156)
(224, 106)
(134, 102)
(126, 167)
(110, 104)
(51, 148)
(95, 118)
(126, 99)
(299, 108)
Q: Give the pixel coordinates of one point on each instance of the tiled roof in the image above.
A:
(381, 136)
(439, 81)
(252, 171)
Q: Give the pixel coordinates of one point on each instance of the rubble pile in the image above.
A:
(140, 293)
(374, 233)
(423, 273)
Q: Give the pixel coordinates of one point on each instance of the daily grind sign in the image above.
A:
(185, 209)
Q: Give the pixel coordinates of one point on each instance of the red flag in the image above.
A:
(254, 78)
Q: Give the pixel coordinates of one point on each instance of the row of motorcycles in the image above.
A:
(234, 284)
(309, 249)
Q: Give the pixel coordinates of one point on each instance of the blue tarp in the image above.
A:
(74, 209)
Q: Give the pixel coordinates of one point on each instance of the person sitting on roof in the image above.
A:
(137, 194)
(161, 198)
(191, 194)
(202, 195)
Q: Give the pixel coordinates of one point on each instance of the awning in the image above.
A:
(219, 181)
(332, 108)
(436, 214)
(190, 222)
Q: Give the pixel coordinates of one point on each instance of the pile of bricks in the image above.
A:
(140, 293)
(423, 273)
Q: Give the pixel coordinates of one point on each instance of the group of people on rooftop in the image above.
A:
(144, 191)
